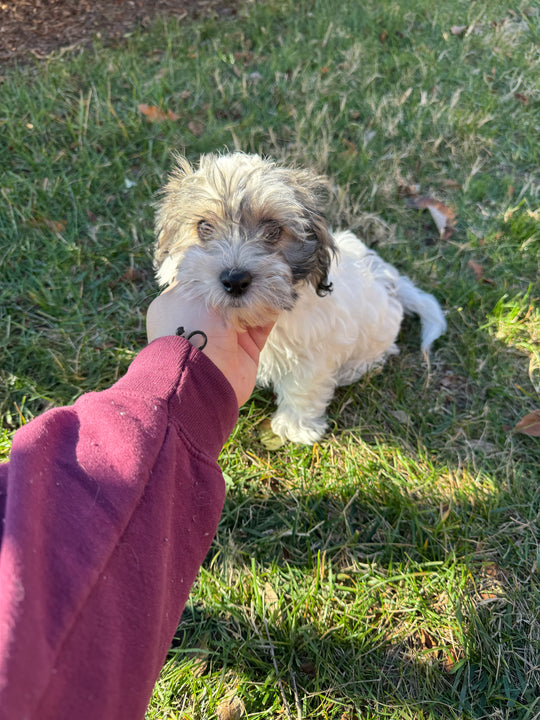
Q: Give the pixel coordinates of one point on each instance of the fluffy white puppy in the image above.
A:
(250, 238)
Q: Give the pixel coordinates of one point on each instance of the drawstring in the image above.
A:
(181, 332)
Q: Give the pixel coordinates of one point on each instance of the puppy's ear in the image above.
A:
(312, 192)
(324, 253)
(169, 208)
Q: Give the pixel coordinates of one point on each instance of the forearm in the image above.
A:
(121, 494)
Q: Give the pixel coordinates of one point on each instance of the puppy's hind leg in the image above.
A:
(301, 408)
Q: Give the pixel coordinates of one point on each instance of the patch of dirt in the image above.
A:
(36, 28)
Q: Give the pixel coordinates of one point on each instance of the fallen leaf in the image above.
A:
(458, 29)
(153, 113)
(271, 600)
(530, 424)
(232, 708)
(522, 98)
(427, 641)
(494, 571)
(132, 274)
(57, 226)
(349, 715)
(449, 661)
(196, 127)
(450, 183)
(477, 269)
(407, 190)
(443, 216)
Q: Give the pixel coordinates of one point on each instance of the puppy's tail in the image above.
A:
(426, 306)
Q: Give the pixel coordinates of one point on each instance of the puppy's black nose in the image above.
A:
(236, 281)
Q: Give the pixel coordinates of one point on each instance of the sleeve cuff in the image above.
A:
(202, 402)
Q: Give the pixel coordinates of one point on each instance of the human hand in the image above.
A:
(235, 353)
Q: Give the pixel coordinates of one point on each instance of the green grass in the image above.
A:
(392, 571)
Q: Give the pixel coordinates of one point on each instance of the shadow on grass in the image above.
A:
(394, 619)
(407, 587)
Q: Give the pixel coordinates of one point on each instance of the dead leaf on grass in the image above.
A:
(133, 275)
(520, 97)
(232, 708)
(450, 183)
(153, 113)
(443, 216)
(271, 600)
(478, 270)
(407, 190)
(426, 640)
(449, 661)
(530, 424)
(350, 714)
(39, 221)
(196, 127)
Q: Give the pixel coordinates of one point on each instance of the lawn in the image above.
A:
(393, 569)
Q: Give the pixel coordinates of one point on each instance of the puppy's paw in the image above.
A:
(305, 431)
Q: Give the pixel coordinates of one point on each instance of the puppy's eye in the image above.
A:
(205, 229)
(272, 231)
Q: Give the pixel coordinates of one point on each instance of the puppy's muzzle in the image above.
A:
(236, 281)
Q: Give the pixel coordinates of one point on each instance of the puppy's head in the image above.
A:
(243, 233)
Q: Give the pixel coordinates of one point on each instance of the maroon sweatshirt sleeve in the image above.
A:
(109, 508)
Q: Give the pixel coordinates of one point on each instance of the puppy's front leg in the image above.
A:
(301, 408)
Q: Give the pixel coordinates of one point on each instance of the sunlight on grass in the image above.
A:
(516, 323)
(391, 571)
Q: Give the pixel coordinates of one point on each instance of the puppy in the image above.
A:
(249, 237)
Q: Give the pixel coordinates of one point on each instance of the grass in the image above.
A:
(392, 571)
